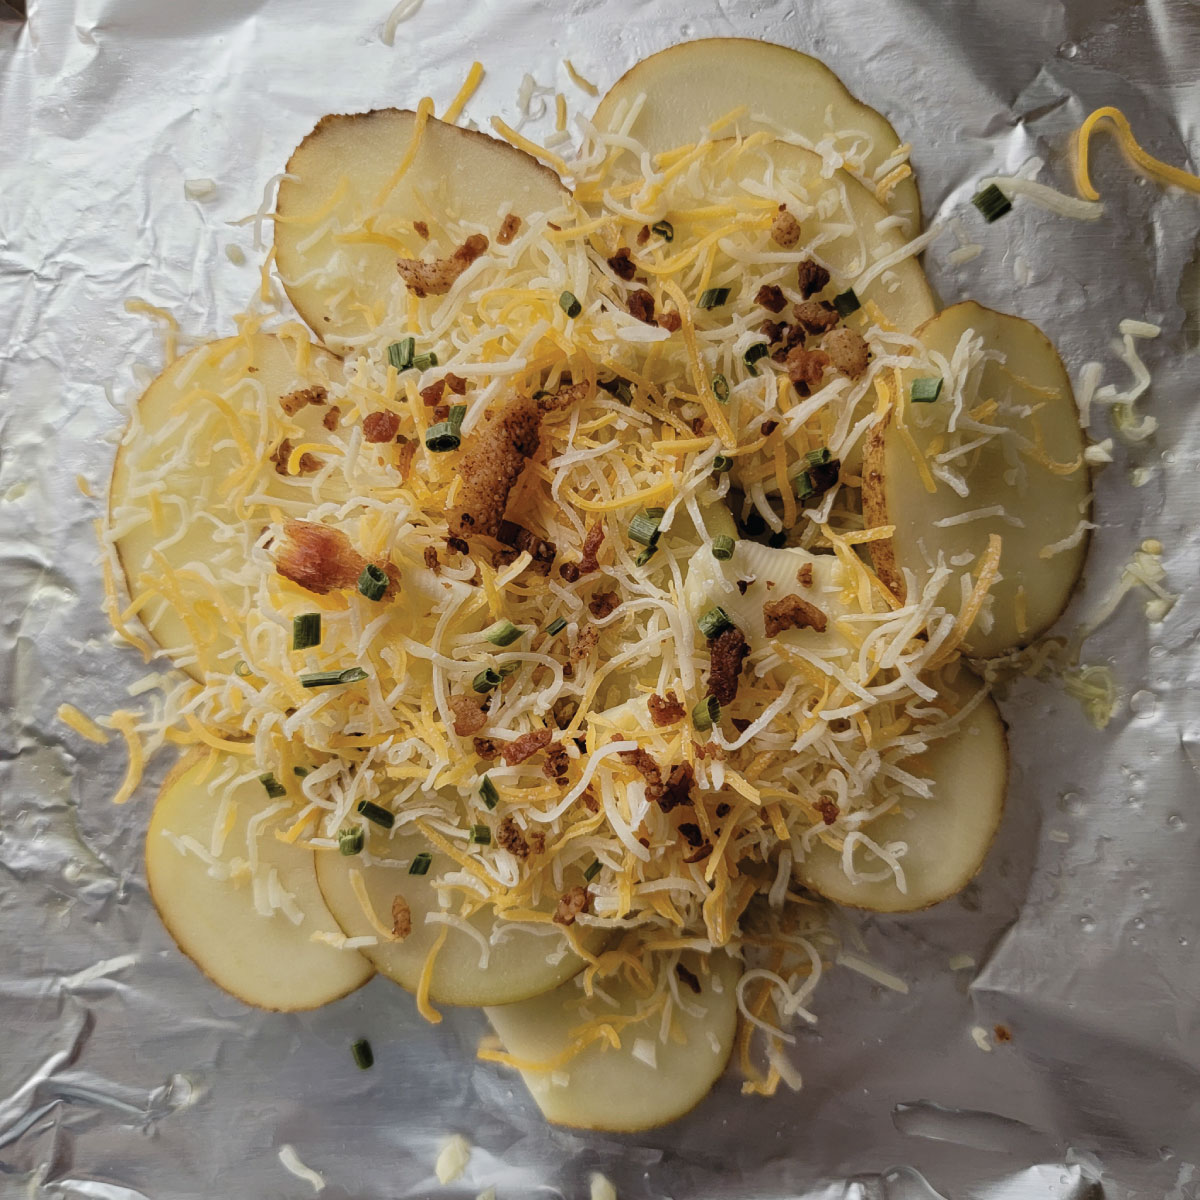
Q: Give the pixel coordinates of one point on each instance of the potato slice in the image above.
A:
(1035, 503)
(691, 85)
(525, 963)
(619, 1091)
(181, 535)
(267, 961)
(947, 835)
(337, 240)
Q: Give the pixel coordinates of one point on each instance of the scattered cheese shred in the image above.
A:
(291, 1162)
(83, 725)
(452, 1159)
(1154, 167)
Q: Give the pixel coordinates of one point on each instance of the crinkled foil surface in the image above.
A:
(124, 1074)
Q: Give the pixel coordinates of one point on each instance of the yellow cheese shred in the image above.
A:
(426, 1009)
(1154, 167)
(125, 723)
(468, 89)
(83, 725)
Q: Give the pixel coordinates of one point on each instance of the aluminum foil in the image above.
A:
(124, 1074)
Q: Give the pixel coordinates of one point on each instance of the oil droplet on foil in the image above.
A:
(1087, 922)
(1175, 822)
(1143, 705)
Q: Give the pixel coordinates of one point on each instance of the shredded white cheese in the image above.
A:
(291, 1162)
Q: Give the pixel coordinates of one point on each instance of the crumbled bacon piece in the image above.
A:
(421, 228)
(509, 837)
(828, 809)
(401, 918)
(509, 228)
(321, 559)
(769, 427)
(436, 276)
(588, 561)
(293, 402)
(645, 766)
(671, 321)
(1002, 1032)
(773, 331)
(686, 976)
(563, 711)
(806, 368)
(331, 418)
(380, 426)
(811, 277)
(585, 643)
(643, 235)
(816, 315)
(726, 653)
(742, 585)
(804, 576)
(496, 455)
(536, 840)
(457, 545)
(847, 351)
(722, 810)
(678, 789)
(486, 748)
(771, 298)
(456, 383)
(432, 394)
(741, 724)
(431, 557)
(792, 612)
(526, 746)
(621, 265)
(602, 604)
(404, 456)
(520, 539)
(570, 904)
(785, 229)
(567, 396)
(691, 834)
(700, 853)
(641, 305)
(557, 763)
(589, 801)
(283, 452)
(441, 412)
(469, 715)
(665, 710)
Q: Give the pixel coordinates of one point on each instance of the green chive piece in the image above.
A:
(804, 486)
(714, 297)
(458, 413)
(351, 841)
(925, 390)
(720, 387)
(328, 678)
(818, 457)
(241, 668)
(645, 556)
(556, 626)
(376, 813)
(373, 582)
(442, 438)
(421, 864)
(508, 668)
(423, 362)
(274, 788)
(481, 835)
(300, 772)
(757, 351)
(713, 622)
(364, 1056)
(502, 633)
(592, 871)
(306, 631)
(707, 713)
(722, 547)
(643, 529)
(488, 793)
(400, 354)
(992, 203)
(486, 680)
(846, 302)
(722, 463)
(664, 229)
(570, 305)
(619, 389)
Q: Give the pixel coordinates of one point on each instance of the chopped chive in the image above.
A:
(707, 713)
(804, 486)
(757, 351)
(376, 813)
(442, 438)
(300, 772)
(241, 668)
(400, 354)
(722, 463)
(328, 678)
(722, 547)
(364, 1056)
(645, 556)
(486, 680)
(925, 390)
(556, 626)
(592, 871)
(421, 864)
(457, 414)
(423, 362)
(570, 305)
(373, 582)
(643, 529)
(664, 229)
(274, 788)
(992, 203)
(351, 841)
(714, 297)
(846, 302)
(713, 622)
(502, 633)
(618, 388)
(488, 793)
(481, 835)
(720, 387)
(818, 457)
(509, 668)
(306, 631)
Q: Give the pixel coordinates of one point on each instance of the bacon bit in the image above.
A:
(283, 452)
(602, 604)
(769, 427)
(432, 394)
(456, 383)
(665, 710)
(722, 810)
(671, 321)
(421, 228)
(441, 412)
(486, 748)
(686, 976)
(804, 576)
(691, 834)
(771, 298)
(509, 837)
(293, 402)
(816, 315)
(520, 539)
(380, 426)
(643, 235)
(621, 265)
(699, 854)
(696, 424)
(828, 809)
(742, 585)
(508, 229)
(405, 457)
(641, 305)
(792, 612)
(469, 715)
(708, 750)
(526, 746)
(436, 276)
(537, 842)
(585, 643)
(645, 766)
(590, 802)
(568, 395)
(678, 789)
(847, 351)
(401, 918)
(557, 764)
(806, 368)
(1002, 1032)
(785, 229)
(741, 724)
(812, 278)
(331, 418)
(588, 562)
(571, 904)
(457, 545)
(773, 331)
(496, 455)
(726, 653)
(321, 559)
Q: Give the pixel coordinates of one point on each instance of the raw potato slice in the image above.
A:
(614, 1090)
(267, 961)
(689, 86)
(334, 268)
(1043, 507)
(947, 835)
(520, 966)
(169, 499)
